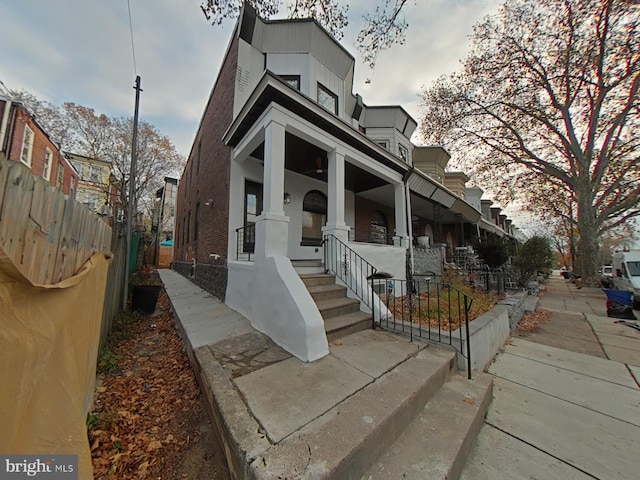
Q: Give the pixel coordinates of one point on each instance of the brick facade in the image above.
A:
(364, 210)
(41, 142)
(206, 175)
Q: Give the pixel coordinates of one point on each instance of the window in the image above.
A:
(404, 153)
(79, 168)
(188, 226)
(292, 80)
(327, 99)
(198, 157)
(197, 223)
(27, 146)
(48, 160)
(60, 174)
(383, 143)
(378, 228)
(95, 174)
(314, 217)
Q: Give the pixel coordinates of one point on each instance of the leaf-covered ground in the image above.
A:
(149, 418)
(531, 321)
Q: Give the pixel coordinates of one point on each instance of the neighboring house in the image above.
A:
(94, 187)
(286, 155)
(163, 222)
(22, 139)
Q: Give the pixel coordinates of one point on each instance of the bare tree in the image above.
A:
(380, 31)
(551, 88)
(156, 158)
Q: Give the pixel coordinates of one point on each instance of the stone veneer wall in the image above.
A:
(515, 308)
(428, 259)
(211, 277)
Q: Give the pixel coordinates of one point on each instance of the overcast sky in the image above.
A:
(80, 51)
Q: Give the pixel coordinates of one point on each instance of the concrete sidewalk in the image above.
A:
(558, 413)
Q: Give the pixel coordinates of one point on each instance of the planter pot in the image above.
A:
(145, 298)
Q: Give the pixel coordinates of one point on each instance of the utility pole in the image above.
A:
(132, 188)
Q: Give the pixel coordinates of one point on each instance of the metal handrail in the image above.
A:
(339, 259)
(245, 241)
(414, 311)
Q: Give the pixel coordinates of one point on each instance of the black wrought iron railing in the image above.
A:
(350, 268)
(426, 309)
(245, 242)
(370, 236)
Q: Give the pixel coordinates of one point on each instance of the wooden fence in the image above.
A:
(47, 236)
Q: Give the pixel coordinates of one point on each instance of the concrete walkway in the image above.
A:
(279, 417)
(558, 413)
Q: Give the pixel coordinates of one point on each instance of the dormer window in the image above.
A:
(383, 143)
(327, 99)
(292, 80)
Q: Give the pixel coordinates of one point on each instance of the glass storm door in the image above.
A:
(252, 208)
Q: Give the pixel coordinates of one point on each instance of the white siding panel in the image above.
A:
(292, 64)
(248, 73)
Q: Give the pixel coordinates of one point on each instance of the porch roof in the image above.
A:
(272, 89)
(426, 187)
(491, 227)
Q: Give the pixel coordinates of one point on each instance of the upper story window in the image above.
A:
(27, 146)
(404, 153)
(48, 160)
(95, 174)
(60, 174)
(383, 143)
(292, 80)
(327, 99)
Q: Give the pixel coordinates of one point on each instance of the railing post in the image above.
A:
(467, 306)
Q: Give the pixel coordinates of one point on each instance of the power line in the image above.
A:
(133, 48)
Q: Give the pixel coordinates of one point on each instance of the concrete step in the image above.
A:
(338, 327)
(324, 292)
(334, 307)
(311, 279)
(437, 442)
(345, 441)
(307, 266)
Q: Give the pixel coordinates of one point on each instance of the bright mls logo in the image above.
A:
(49, 467)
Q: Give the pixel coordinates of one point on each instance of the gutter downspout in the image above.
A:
(407, 192)
(3, 125)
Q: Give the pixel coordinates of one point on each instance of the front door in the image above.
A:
(252, 208)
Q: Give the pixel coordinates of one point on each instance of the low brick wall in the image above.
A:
(211, 277)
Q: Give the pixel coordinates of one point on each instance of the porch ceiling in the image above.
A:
(302, 157)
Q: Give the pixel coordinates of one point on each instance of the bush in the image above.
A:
(534, 256)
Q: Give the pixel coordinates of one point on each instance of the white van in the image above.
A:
(626, 273)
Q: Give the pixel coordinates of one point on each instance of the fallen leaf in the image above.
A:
(469, 399)
(337, 343)
(155, 445)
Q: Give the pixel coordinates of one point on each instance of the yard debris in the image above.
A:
(338, 343)
(531, 321)
(150, 412)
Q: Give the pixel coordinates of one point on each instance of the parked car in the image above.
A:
(606, 275)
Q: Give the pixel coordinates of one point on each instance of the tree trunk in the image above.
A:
(587, 255)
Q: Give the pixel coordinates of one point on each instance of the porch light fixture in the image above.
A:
(287, 198)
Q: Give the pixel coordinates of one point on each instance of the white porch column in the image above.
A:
(401, 237)
(335, 201)
(272, 226)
